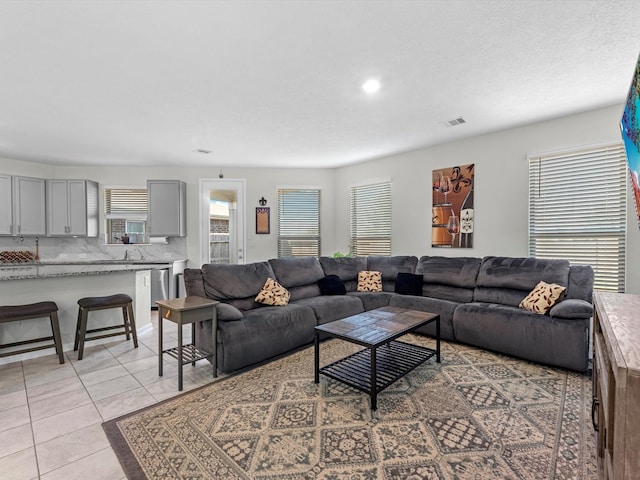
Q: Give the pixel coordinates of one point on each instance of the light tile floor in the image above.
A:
(51, 414)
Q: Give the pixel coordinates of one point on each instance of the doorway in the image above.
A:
(222, 221)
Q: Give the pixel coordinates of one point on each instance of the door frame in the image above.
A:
(207, 184)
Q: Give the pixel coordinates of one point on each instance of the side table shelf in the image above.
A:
(190, 354)
(184, 311)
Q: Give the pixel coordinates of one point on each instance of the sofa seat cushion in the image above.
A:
(238, 285)
(373, 300)
(444, 308)
(332, 307)
(263, 333)
(524, 334)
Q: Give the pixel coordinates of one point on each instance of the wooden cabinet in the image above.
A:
(28, 206)
(167, 211)
(72, 208)
(616, 384)
(6, 209)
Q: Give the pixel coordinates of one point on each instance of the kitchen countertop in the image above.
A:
(52, 269)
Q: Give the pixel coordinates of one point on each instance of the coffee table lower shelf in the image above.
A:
(393, 361)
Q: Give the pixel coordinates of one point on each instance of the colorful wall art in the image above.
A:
(452, 212)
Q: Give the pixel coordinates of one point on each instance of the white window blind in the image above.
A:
(130, 203)
(371, 219)
(577, 210)
(298, 222)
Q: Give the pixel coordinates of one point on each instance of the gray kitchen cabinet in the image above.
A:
(167, 210)
(72, 208)
(6, 213)
(28, 206)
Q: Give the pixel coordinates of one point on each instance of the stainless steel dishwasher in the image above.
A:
(159, 285)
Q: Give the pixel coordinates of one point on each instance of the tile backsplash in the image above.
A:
(78, 249)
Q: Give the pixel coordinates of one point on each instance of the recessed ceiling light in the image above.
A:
(371, 86)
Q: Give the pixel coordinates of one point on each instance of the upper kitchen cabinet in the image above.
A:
(72, 208)
(28, 206)
(6, 213)
(167, 213)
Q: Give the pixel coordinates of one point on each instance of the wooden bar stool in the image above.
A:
(89, 304)
(14, 313)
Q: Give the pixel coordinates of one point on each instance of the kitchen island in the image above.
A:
(65, 283)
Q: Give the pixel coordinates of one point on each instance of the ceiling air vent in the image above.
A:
(202, 150)
(453, 123)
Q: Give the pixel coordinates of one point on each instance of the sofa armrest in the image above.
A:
(572, 308)
(228, 313)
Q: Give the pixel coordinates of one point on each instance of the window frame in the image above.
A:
(370, 218)
(578, 209)
(134, 215)
(293, 233)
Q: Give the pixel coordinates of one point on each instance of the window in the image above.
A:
(577, 210)
(298, 222)
(125, 211)
(371, 219)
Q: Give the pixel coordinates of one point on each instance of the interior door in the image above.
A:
(222, 221)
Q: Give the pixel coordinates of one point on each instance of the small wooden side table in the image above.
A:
(182, 311)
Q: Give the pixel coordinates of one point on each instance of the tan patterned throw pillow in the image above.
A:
(369, 281)
(273, 294)
(543, 297)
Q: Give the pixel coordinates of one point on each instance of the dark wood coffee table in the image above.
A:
(373, 369)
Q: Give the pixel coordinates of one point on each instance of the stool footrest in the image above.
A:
(25, 342)
(106, 335)
(26, 350)
(102, 329)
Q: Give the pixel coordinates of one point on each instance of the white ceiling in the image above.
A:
(277, 83)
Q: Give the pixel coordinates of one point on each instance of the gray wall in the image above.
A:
(501, 189)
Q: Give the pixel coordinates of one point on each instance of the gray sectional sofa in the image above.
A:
(477, 300)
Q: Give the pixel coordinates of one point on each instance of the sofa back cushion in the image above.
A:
(299, 275)
(454, 271)
(507, 280)
(390, 267)
(580, 283)
(346, 268)
(193, 283)
(237, 285)
(449, 278)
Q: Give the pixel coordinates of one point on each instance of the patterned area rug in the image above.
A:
(477, 415)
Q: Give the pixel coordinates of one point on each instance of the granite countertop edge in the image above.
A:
(39, 270)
